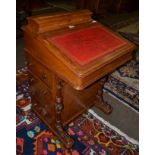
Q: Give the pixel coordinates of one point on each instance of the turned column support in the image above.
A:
(64, 137)
(59, 103)
(100, 103)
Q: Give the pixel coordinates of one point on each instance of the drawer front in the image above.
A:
(40, 71)
(42, 95)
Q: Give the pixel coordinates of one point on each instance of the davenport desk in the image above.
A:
(68, 55)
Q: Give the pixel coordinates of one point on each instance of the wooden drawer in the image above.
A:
(40, 71)
(42, 95)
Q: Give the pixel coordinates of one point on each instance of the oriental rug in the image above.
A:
(124, 84)
(91, 135)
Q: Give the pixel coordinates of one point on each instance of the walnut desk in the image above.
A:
(68, 54)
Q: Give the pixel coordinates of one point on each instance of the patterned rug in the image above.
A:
(91, 136)
(124, 84)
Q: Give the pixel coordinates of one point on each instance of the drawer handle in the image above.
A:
(32, 80)
(29, 64)
(44, 76)
(45, 92)
(35, 104)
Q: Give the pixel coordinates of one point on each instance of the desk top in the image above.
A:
(87, 44)
(77, 48)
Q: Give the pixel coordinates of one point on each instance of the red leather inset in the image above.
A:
(87, 44)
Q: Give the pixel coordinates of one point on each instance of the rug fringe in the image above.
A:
(113, 127)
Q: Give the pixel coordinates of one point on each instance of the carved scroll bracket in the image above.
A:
(100, 103)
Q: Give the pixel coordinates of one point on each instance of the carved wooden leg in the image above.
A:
(65, 138)
(100, 103)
